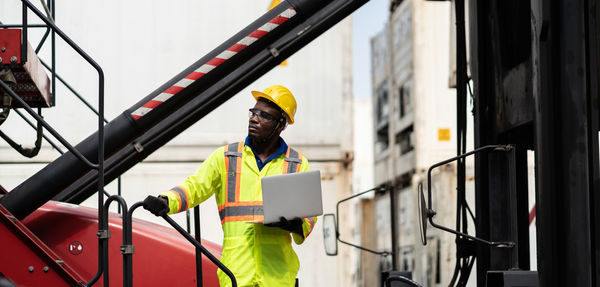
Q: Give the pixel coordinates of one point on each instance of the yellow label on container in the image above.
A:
(443, 135)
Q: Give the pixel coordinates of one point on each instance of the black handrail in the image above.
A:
(128, 256)
(54, 145)
(56, 76)
(43, 40)
(24, 45)
(127, 249)
(199, 246)
(69, 87)
(59, 150)
(100, 165)
(5, 87)
(126, 226)
(198, 237)
(75, 93)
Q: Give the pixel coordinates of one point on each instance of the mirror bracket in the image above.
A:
(335, 223)
(427, 213)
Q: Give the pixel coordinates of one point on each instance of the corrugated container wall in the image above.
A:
(414, 120)
(380, 101)
(414, 102)
(141, 45)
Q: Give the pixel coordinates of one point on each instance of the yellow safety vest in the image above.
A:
(256, 254)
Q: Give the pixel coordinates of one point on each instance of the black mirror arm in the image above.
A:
(485, 148)
(499, 244)
(389, 280)
(431, 213)
(382, 253)
(337, 206)
(337, 223)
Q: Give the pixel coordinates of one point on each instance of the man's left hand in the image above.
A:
(292, 225)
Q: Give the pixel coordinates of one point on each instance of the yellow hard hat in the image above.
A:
(280, 96)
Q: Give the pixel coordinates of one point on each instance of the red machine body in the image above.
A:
(10, 46)
(67, 233)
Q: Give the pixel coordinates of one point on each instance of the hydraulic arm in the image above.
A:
(189, 96)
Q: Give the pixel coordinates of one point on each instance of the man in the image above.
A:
(257, 254)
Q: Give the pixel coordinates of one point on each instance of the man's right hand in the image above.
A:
(293, 225)
(159, 206)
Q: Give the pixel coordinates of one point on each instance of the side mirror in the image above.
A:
(330, 234)
(426, 213)
(330, 229)
(422, 209)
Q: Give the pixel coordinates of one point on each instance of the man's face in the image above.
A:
(263, 119)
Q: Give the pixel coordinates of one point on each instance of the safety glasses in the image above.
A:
(262, 115)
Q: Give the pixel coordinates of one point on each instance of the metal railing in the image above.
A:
(99, 166)
(199, 246)
(50, 13)
(127, 248)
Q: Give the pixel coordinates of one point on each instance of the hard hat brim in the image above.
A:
(258, 94)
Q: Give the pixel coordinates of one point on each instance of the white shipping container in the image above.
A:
(434, 103)
(379, 56)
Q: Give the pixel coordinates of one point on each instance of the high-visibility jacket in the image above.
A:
(257, 255)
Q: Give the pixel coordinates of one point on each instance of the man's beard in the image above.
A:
(259, 140)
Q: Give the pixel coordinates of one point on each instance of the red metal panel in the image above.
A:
(27, 261)
(10, 45)
(29, 80)
(162, 256)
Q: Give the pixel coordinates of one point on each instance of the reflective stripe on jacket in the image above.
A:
(258, 255)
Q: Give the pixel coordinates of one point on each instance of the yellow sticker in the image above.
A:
(274, 3)
(443, 135)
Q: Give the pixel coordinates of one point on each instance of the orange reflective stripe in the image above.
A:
(285, 162)
(178, 199)
(238, 172)
(241, 203)
(182, 194)
(258, 218)
(311, 224)
(233, 209)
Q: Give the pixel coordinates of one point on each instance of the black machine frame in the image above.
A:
(535, 68)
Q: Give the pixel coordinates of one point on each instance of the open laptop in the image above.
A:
(292, 195)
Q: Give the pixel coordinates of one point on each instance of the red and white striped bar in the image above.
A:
(213, 63)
